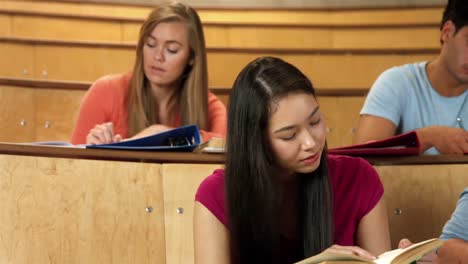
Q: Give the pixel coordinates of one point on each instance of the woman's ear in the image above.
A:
(190, 62)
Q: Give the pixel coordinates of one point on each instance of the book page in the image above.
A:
(388, 256)
(399, 254)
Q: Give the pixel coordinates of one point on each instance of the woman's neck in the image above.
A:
(164, 98)
(163, 94)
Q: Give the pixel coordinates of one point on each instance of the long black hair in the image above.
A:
(251, 191)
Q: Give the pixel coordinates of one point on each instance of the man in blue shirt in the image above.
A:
(428, 97)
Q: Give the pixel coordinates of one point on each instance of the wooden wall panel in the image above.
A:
(17, 120)
(81, 63)
(268, 37)
(325, 71)
(234, 36)
(396, 16)
(77, 9)
(130, 32)
(386, 38)
(17, 60)
(180, 183)
(341, 115)
(400, 16)
(56, 113)
(271, 17)
(5, 25)
(420, 199)
(80, 211)
(68, 62)
(65, 29)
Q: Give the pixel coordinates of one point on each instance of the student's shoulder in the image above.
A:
(346, 162)
(215, 181)
(403, 72)
(118, 82)
(212, 98)
(347, 167)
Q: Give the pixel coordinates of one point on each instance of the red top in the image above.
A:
(106, 102)
(356, 190)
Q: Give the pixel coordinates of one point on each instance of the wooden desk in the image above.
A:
(66, 205)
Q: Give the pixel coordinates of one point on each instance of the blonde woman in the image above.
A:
(167, 88)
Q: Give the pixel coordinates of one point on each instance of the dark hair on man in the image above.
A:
(457, 12)
(252, 189)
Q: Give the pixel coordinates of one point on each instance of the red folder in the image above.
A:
(401, 145)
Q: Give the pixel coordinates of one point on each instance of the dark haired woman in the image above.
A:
(281, 198)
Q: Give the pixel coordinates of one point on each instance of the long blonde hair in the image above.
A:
(192, 97)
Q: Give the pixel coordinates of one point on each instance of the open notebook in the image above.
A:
(403, 144)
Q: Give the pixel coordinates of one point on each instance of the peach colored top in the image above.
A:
(106, 101)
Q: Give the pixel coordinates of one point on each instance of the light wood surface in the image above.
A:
(17, 118)
(64, 210)
(231, 35)
(81, 63)
(80, 211)
(325, 70)
(56, 113)
(180, 183)
(70, 28)
(17, 60)
(341, 115)
(28, 114)
(232, 28)
(421, 198)
(5, 25)
(130, 32)
(397, 16)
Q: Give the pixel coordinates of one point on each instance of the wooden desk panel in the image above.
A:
(56, 113)
(93, 211)
(17, 119)
(341, 115)
(180, 183)
(80, 211)
(17, 60)
(421, 198)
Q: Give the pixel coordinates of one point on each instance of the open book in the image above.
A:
(397, 256)
(403, 144)
(185, 138)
